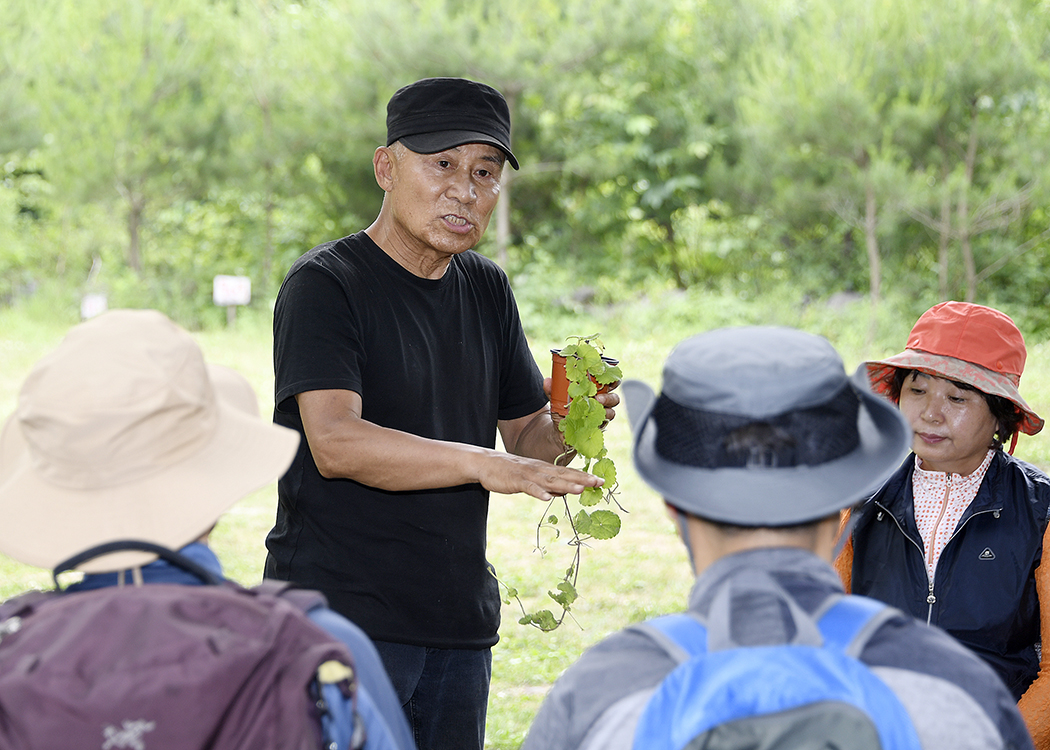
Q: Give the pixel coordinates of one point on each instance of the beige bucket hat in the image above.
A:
(124, 432)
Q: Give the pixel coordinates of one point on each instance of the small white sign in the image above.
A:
(92, 305)
(231, 290)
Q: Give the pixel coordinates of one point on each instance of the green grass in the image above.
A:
(641, 573)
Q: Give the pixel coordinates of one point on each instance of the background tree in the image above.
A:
(740, 146)
(23, 187)
(859, 119)
(985, 154)
(137, 93)
(827, 112)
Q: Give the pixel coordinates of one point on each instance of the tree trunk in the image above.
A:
(503, 206)
(943, 238)
(871, 241)
(268, 255)
(503, 217)
(964, 211)
(268, 171)
(136, 205)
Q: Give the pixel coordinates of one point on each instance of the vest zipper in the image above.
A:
(931, 599)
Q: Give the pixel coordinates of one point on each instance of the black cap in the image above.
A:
(434, 114)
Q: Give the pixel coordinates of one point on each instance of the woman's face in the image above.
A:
(952, 427)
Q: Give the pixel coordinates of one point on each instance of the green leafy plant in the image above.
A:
(582, 427)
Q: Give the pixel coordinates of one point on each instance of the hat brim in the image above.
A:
(431, 143)
(881, 373)
(773, 496)
(45, 524)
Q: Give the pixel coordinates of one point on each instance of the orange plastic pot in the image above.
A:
(560, 382)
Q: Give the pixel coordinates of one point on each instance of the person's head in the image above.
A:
(447, 142)
(956, 383)
(124, 432)
(759, 438)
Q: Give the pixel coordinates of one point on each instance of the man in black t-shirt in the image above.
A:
(398, 352)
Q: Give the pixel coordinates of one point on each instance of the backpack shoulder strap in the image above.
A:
(682, 636)
(848, 622)
(121, 545)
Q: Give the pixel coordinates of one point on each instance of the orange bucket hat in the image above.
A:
(967, 343)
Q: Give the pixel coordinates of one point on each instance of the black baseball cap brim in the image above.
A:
(432, 143)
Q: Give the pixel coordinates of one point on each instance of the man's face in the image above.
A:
(443, 201)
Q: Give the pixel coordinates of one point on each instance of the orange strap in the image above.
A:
(844, 562)
(1035, 703)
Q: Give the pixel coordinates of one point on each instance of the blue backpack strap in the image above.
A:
(848, 622)
(341, 725)
(687, 634)
(682, 635)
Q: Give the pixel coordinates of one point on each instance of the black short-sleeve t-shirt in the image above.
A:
(440, 358)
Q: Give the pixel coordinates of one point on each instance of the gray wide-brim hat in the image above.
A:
(844, 441)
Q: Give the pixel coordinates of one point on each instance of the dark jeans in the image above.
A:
(444, 693)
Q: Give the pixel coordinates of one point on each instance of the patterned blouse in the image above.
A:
(941, 499)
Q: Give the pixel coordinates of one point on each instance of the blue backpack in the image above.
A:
(812, 693)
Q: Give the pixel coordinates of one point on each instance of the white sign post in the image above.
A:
(230, 291)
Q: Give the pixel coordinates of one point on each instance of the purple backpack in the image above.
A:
(169, 666)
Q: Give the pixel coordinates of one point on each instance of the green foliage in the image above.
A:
(730, 146)
(14, 250)
(878, 119)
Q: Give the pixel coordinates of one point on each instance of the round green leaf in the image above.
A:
(591, 496)
(582, 522)
(604, 524)
(606, 469)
